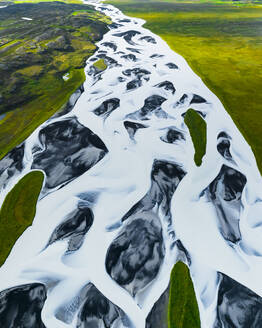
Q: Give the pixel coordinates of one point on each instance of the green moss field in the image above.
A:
(18, 210)
(34, 58)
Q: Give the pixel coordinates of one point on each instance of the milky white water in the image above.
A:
(27, 18)
(123, 200)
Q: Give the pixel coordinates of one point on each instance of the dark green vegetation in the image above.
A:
(37, 1)
(222, 42)
(197, 128)
(42, 62)
(18, 210)
(183, 309)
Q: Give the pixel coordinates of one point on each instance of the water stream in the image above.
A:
(123, 200)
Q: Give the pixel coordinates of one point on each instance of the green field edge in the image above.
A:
(55, 106)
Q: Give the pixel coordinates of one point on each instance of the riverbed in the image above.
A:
(123, 199)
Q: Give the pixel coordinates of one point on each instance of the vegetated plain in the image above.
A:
(18, 210)
(198, 132)
(183, 309)
(42, 61)
(222, 42)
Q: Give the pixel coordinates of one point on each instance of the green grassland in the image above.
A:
(182, 308)
(222, 42)
(100, 65)
(35, 56)
(18, 210)
(197, 128)
(37, 1)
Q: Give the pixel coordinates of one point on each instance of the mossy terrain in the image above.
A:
(182, 309)
(222, 42)
(35, 57)
(100, 64)
(18, 211)
(37, 1)
(197, 128)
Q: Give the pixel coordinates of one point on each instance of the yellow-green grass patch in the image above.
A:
(31, 71)
(100, 64)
